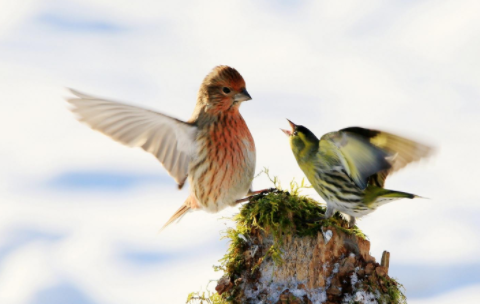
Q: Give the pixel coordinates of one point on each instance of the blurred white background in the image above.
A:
(79, 213)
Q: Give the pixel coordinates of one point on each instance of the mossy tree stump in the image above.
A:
(277, 255)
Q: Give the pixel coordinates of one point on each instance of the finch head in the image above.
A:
(223, 88)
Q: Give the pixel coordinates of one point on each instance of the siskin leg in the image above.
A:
(351, 221)
(330, 211)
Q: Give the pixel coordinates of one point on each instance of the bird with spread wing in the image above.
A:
(214, 149)
(348, 168)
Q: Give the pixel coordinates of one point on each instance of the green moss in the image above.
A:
(281, 212)
(390, 290)
(394, 291)
(204, 298)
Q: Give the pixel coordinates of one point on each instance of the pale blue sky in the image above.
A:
(80, 213)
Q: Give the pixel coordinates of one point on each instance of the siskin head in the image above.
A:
(302, 140)
(223, 88)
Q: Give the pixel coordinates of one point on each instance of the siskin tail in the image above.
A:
(397, 194)
(177, 215)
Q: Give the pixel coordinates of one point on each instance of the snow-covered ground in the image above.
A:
(79, 213)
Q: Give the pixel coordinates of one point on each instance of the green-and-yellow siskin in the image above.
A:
(348, 168)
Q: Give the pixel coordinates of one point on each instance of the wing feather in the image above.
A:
(358, 156)
(371, 155)
(168, 139)
(403, 151)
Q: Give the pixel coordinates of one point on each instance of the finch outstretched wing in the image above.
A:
(360, 158)
(168, 139)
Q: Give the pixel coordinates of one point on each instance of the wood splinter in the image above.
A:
(385, 262)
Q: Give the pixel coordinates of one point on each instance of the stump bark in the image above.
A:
(277, 256)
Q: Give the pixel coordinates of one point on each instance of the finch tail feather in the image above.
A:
(177, 215)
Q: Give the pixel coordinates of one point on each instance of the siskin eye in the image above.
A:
(294, 133)
(226, 90)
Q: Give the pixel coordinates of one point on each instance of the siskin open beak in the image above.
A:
(292, 125)
(289, 132)
(242, 96)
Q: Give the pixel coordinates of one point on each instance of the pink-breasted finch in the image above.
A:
(213, 149)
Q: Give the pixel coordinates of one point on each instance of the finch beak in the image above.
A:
(242, 96)
(289, 132)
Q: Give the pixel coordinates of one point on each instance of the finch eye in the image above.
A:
(294, 133)
(226, 90)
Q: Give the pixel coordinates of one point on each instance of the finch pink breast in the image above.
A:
(213, 149)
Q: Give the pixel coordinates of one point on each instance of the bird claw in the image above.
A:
(262, 192)
(256, 193)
